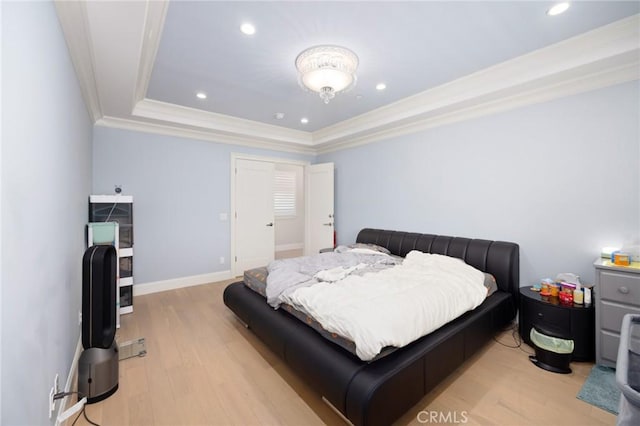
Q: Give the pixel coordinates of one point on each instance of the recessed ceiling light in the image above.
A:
(201, 95)
(381, 86)
(278, 115)
(248, 28)
(558, 8)
(304, 120)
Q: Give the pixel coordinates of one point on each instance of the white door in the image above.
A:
(319, 208)
(254, 222)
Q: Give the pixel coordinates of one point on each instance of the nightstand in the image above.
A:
(577, 322)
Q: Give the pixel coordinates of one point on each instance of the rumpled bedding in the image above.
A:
(288, 275)
(392, 307)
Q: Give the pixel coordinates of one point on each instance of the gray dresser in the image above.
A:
(617, 292)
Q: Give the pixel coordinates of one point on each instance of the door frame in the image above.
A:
(232, 205)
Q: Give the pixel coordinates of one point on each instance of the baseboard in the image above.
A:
(69, 385)
(172, 284)
(292, 246)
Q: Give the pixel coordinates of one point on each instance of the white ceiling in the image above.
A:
(141, 63)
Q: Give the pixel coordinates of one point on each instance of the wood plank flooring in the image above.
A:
(204, 368)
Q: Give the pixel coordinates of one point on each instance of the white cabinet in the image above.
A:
(617, 293)
(119, 209)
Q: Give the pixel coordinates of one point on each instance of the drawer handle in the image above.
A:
(623, 290)
(540, 315)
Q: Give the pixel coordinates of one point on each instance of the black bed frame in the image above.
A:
(379, 392)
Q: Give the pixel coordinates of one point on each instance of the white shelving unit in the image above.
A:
(118, 208)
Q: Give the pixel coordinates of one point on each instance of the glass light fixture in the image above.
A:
(327, 70)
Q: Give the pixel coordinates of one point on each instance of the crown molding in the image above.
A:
(602, 57)
(74, 21)
(545, 71)
(220, 123)
(527, 94)
(168, 129)
(156, 13)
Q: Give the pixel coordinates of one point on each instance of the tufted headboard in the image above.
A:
(499, 258)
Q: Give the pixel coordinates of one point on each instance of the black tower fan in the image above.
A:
(98, 364)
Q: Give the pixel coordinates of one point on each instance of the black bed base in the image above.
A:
(377, 393)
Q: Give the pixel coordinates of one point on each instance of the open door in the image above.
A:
(254, 218)
(319, 224)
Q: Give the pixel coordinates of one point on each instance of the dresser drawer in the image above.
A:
(611, 315)
(609, 346)
(620, 287)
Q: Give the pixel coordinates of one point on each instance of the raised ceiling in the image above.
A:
(141, 64)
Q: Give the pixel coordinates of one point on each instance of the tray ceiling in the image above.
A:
(141, 64)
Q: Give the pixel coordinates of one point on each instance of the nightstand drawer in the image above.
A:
(611, 315)
(619, 287)
(557, 319)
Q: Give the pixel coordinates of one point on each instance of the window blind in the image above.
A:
(284, 193)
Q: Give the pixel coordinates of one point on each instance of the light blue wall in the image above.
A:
(180, 186)
(1, 116)
(560, 178)
(45, 182)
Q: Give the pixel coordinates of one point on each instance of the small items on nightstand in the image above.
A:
(578, 295)
(587, 296)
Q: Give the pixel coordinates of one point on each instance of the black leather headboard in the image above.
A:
(499, 258)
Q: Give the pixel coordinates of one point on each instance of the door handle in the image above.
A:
(328, 224)
(270, 224)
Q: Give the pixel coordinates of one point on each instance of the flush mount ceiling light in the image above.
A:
(327, 70)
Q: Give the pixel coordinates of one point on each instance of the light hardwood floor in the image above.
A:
(286, 254)
(204, 368)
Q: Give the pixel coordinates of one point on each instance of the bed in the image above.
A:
(378, 392)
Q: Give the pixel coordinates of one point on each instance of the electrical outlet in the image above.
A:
(54, 390)
(222, 260)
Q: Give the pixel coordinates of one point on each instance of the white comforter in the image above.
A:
(395, 306)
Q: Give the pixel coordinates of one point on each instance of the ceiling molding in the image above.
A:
(602, 57)
(553, 88)
(168, 129)
(74, 21)
(219, 123)
(569, 59)
(156, 12)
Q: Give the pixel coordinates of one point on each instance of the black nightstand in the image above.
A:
(576, 321)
